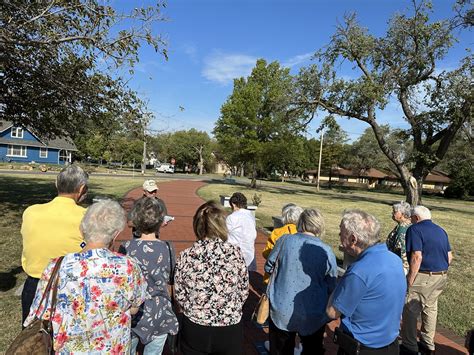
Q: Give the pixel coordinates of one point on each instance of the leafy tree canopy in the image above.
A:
(255, 114)
(51, 54)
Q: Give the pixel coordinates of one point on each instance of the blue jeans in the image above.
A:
(154, 347)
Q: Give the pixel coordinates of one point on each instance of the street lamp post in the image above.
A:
(320, 157)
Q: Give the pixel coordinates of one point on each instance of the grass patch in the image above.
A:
(17, 192)
(456, 217)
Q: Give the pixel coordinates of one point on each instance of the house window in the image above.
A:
(43, 152)
(17, 132)
(16, 151)
(64, 155)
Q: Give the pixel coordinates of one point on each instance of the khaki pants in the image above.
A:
(422, 298)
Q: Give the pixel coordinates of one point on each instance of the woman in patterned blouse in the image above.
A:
(401, 214)
(211, 285)
(97, 291)
(156, 318)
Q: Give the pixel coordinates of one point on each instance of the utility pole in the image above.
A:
(320, 157)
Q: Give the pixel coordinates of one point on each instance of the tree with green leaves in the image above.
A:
(51, 52)
(188, 147)
(400, 67)
(254, 115)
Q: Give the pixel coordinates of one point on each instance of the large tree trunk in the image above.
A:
(253, 184)
(201, 164)
(410, 185)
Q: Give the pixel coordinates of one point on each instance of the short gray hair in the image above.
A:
(70, 179)
(311, 220)
(291, 214)
(102, 221)
(404, 208)
(147, 215)
(421, 211)
(362, 225)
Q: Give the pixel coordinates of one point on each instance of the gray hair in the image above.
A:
(404, 208)
(147, 215)
(102, 221)
(421, 211)
(291, 214)
(311, 220)
(70, 179)
(362, 225)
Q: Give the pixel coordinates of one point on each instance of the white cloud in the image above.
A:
(191, 51)
(224, 68)
(298, 59)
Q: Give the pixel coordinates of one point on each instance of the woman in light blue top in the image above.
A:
(304, 273)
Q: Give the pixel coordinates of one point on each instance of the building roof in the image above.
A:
(57, 143)
(363, 173)
(437, 176)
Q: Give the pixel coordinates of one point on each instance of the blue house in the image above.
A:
(19, 144)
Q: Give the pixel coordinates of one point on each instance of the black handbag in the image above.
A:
(346, 342)
(172, 341)
(37, 337)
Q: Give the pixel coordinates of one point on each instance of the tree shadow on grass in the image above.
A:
(17, 193)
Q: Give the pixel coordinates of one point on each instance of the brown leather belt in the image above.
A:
(434, 272)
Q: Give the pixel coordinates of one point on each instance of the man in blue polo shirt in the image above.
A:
(370, 296)
(429, 256)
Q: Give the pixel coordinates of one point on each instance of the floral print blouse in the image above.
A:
(96, 290)
(396, 243)
(211, 283)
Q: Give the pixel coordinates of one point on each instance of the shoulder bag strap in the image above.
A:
(171, 280)
(52, 278)
(55, 276)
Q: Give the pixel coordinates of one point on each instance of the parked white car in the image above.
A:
(165, 168)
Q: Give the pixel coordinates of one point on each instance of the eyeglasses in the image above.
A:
(152, 192)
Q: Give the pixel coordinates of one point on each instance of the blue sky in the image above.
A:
(210, 42)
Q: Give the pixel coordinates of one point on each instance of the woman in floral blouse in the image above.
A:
(401, 214)
(156, 319)
(211, 285)
(97, 291)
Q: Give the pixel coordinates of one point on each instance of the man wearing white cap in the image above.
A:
(150, 189)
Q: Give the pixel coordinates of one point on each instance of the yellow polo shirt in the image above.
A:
(50, 230)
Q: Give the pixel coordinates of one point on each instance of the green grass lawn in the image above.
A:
(17, 192)
(456, 217)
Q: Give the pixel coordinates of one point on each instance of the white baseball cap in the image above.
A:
(150, 185)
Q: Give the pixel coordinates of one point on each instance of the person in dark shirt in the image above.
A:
(429, 255)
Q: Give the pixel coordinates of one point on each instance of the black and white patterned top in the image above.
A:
(211, 283)
(156, 316)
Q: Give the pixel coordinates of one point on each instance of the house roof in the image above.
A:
(58, 142)
(368, 173)
(437, 176)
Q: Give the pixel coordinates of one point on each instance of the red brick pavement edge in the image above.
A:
(182, 201)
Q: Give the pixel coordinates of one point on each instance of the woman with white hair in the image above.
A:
(303, 274)
(290, 214)
(98, 290)
(401, 213)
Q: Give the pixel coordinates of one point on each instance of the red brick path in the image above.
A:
(181, 201)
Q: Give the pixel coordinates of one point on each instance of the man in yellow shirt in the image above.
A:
(51, 229)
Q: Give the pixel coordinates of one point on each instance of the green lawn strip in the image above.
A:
(17, 192)
(456, 217)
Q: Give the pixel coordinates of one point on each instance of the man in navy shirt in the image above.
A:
(429, 256)
(370, 296)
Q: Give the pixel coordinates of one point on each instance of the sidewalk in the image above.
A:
(182, 201)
